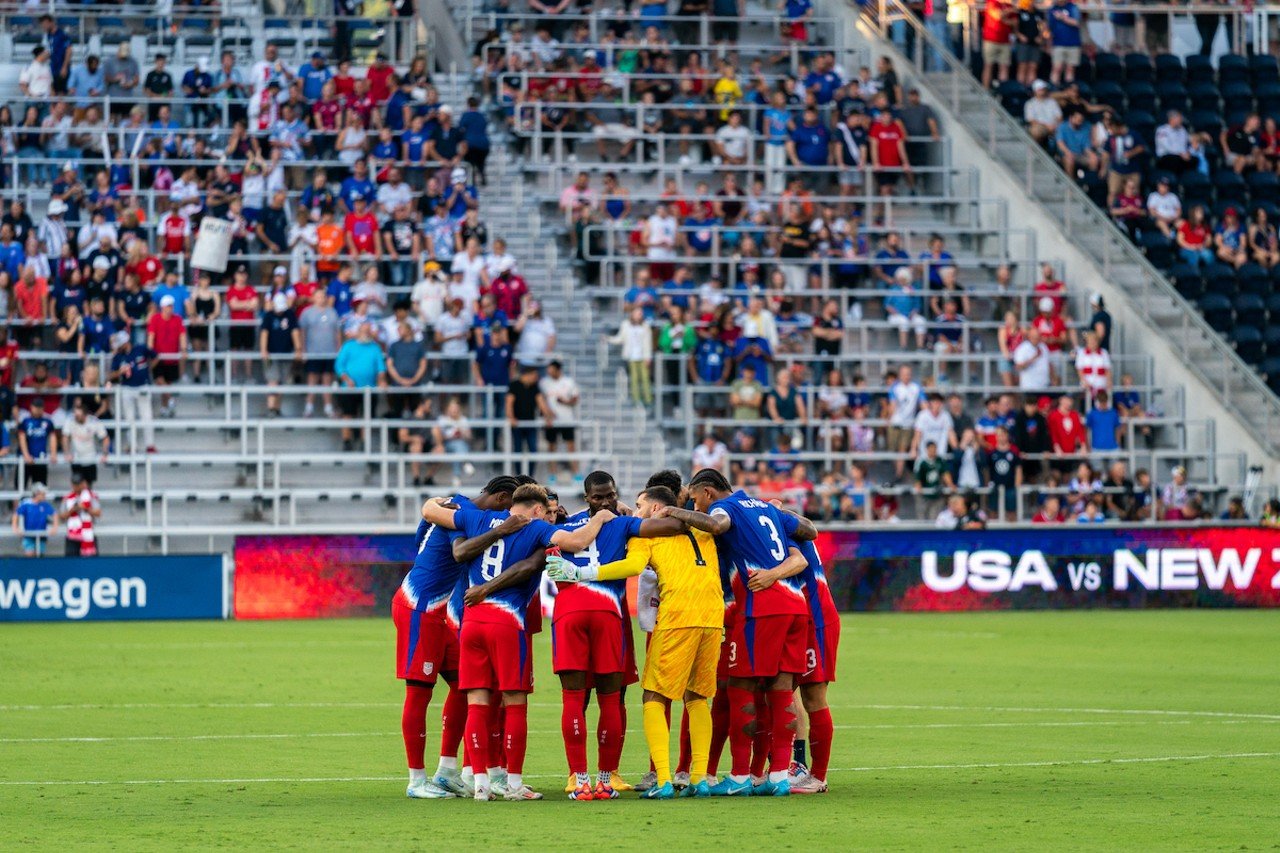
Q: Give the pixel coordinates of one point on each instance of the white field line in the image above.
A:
(1016, 710)
(994, 765)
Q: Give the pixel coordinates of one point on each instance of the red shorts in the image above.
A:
(730, 615)
(765, 646)
(426, 645)
(494, 657)
(588, 641)
(820, 654)
(796, 31)
(630, 675)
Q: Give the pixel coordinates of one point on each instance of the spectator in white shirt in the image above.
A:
(933, 425)
(36, 80)
(732, 140)
(1164, 207)
(469, 274)
(537, 335)
(393, 193)
(1031, 358)
(562, 396)
(635, 336)
(1173, 145)
(904, 402)
(1042, 113)
(712, 453)
(429, 293)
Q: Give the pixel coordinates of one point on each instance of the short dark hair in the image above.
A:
(523, 479)
(597, 478)
(530, 493)
(660, 494)
(668, 478)
(709, 477)
(502, 485)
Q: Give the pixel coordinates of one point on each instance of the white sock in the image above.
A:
(467, 773)
(482, 781)
(582, 778)
(780, 776)
(605, 777)
(417, 776)
(515, 781)
(448, 762)
(738, 779)
(495, 772)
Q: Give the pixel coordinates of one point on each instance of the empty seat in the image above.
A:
(1237, 97)
(1268, 94)
(1220, 279)
(1158, 249)
(1140, 95)
(1250, 307)
(1107, 66)
(1204, 94)
(1186, 279)
(1216, 309)
(1013, 96)
(1138, 67)
(1196, 189)
(1263, 186)
(1270, 369)
(1232, 68)
(1249, 343)
(1253, 278)
(1109, 92)
(1172, 95)
(1263, 69)
(1205, 121)
(1230, 186)
(1271, 336)
(1169, 68)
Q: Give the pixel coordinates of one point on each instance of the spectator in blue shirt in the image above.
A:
(822, 81)
(98, 327)
(35, 521)
(339, 290)
(903, 308)
(1064, 33)
(493, 359)
(885, 269)
(357, 185)
(1074, 141)
(37, 442)
(87, 82)
(59, 45)
(810, 143)
(313, 76)
(642, 294)
(1103, 422)
(197, 84)
(360, 365)
(475, 133)
(756, 354)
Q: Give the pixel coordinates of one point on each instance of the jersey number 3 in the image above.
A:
(778, 551)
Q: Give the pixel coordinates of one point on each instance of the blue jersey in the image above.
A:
(609, 546)
(430, 583)
(34, 515)
(822, 606)
(37, 431)
(509, 606)
(758, 539)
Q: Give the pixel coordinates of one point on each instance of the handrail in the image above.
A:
(1116, 245)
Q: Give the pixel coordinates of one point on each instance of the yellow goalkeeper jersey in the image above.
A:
(688, 570)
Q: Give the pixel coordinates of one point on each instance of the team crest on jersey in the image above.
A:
(428, 668)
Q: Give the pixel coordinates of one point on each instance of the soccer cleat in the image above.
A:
(772, 789)
(808, 784)
(647, 781)
(484, 793)
(757, 781)
(797, 770)
(428, 790)
(713, 779)
(680, 781)
(524, 792)
(729, 788)
(620, 784)
(660, 792)
(498, 780)
(702, 789)
(452, 781)
(582, 793)
(604, 791)
(572, 784)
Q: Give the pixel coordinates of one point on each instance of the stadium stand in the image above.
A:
(736, 161)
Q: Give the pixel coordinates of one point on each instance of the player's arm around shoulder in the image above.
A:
(465, 550)
(794, 564)
(716, 523)
(639, 555)
(574, 541)
(513, 576)
(440, 511)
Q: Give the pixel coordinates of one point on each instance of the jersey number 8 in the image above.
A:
(491, 562)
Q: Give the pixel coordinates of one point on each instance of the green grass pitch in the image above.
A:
(1084, 730)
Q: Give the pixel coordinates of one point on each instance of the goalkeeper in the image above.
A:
(685, 646)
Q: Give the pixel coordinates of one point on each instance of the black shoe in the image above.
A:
(348, 445)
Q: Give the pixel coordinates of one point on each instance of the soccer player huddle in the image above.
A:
(742, 629)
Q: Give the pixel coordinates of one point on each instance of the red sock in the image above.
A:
(764, 735)
(452, 722)
(742, 722)
(782, 705)
(477, 737)
(497, 725)
(719, 729)
(821, 731)
(413, 723)
(686, 750)
(573, 726)
(517, 736)
(609, 731)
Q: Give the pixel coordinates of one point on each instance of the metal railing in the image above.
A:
(1081, 218)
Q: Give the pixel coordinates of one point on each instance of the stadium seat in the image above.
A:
(1187, 279)
(1263, 186)
(1204, 95)
(1172, 95)
(1230, 187)
(1216, 309)
(1142, 123)
(1268, 94)
(1271, 336)
(1253, 278)
(1013, 96)
(1108, 67)
(1248, 343)
(1232, 68)
(1220, 279)
(1263, 69)
(1250, 308)
(1109, 92)
(1270, 368)
(1196, 189)
(1158, 249)
(1205, 120)
(1169, 68)
(1140, 95)
(1237, 97)
(1138, 68)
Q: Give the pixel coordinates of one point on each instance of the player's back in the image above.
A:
(511, 605)
(434, 574)
(758, 539)
(610, 545)
(822, 605)
(688, 581)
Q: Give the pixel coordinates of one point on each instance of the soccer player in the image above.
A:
(591, 636)
(426, 642)
(495, 651)
(770, 628)
(685, 647)
(820, 658)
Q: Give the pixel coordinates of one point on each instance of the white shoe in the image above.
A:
(498, 782)
(680, 780)
(758, 780)
(309, 410)
(328, 410)
(647, 781)
(524, 792)
(808, 784)
(452, 781)
(428, 790)
(484, 793)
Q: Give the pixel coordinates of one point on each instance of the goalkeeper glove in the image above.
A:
(561, 570)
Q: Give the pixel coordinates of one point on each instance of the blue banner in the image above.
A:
(112, 588)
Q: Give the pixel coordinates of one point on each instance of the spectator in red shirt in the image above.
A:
(43, 384)
(1067, 432)
(343, 81)
(1050, 285)
(889, 152)
(1053, 334)
(508, 289)
(167, 338)
(31, 298)
(361, 228)
(997, 26)
(1050, 511)
(175, 232)
(304, 288)
(379, 76)
(242, 306)
(143, 264)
